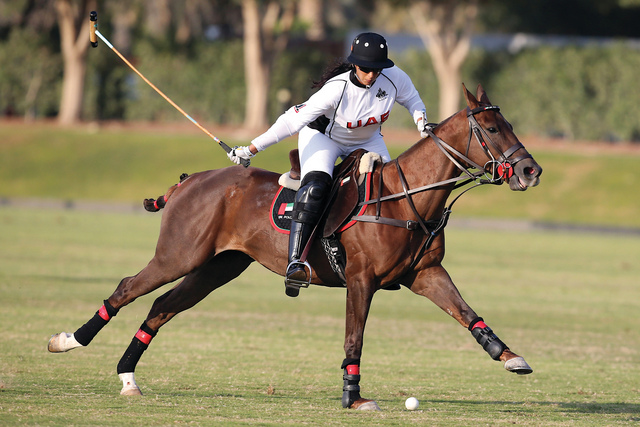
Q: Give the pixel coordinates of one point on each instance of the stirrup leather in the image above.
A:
(295, 282)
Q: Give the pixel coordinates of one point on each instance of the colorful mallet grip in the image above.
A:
(93, 25)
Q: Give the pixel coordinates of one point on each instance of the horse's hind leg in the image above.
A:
(193, 289)
(160, 271)
(435, 284)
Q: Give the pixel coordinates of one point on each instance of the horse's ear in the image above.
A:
(482, 95)
(472, 102)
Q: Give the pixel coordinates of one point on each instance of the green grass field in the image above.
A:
(249, 355)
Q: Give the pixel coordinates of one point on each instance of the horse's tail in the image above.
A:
(153, 205)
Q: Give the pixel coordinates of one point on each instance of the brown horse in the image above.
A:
(217, 223)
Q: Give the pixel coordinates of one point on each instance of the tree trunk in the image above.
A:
(257, 73)
(265, 38)
(157, 17)
(445, 29)
(73, 20)
(311, 13)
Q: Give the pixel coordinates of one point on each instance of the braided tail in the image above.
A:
(153, 205)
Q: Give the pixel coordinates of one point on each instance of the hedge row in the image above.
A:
(584, 93)
(587, 93)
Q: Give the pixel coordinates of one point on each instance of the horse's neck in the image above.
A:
(424, 164)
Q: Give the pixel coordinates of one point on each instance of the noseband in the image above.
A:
(502, 167)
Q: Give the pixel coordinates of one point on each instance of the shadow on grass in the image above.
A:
(572, 407)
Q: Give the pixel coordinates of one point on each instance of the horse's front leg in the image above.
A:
(435, 284)
(359, 296)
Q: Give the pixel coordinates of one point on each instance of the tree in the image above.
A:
(311, 13)
(603, 18)
(73, 22)
(266, 33)
(445, 27)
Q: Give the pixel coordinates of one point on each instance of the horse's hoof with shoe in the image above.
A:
(518, 365)
(365, 405)
(129, 386)
(62, 342)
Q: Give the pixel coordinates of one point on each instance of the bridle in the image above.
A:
(495, 171)
(500, 168)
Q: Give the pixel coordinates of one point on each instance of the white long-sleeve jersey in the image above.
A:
(353, 113)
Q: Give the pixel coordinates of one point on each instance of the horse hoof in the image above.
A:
(518, 365)
(59, 343)
(365, 405)
(129, 386)
(130, 391)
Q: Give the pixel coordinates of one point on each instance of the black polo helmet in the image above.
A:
(370, 50)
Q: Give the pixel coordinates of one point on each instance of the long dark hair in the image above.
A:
(338, 66)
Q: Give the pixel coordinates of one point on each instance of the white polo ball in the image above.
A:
(411, 403)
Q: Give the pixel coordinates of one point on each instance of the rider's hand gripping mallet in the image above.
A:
(93, 37)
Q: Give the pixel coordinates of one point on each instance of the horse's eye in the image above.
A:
(492, 130)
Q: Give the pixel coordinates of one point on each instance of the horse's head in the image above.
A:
(504, 157)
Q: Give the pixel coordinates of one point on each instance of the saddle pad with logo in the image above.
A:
(282, 206)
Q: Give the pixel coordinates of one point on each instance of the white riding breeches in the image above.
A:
(318, 152)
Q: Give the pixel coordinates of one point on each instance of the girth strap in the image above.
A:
(408, 224)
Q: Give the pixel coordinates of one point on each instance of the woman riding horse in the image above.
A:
(346, 114)
(218, 222)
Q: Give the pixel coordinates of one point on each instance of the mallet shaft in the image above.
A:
(93, 37)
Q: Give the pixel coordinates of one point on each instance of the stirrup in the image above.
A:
(297, 283)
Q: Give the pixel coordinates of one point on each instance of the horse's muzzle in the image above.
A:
(526, 174)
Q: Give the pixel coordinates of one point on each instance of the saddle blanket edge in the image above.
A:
(280, 212)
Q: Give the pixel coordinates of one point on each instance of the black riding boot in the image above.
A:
(307, 209)
(296, 272)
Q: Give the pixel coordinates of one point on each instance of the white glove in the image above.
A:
(421, 122)
(238, 153)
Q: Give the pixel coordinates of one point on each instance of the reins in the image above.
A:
(449, 151)
(501, 169)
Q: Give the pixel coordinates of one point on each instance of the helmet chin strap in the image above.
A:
(368, 86)
(363, 83)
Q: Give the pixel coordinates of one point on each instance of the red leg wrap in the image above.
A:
(144, 337)
(102, 312)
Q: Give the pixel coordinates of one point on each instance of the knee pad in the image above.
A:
(310, 198)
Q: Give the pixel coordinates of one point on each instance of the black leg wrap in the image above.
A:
(351, 388)
(132, 356)
(89, 330)
(487, 339)
(110, 310)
